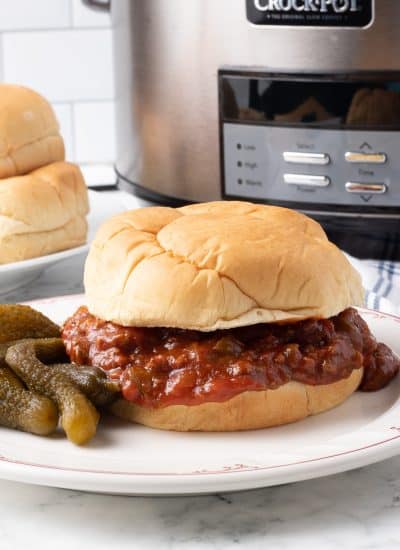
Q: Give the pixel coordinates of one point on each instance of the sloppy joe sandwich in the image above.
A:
(224, 316)
(29, 132)
(42, 212)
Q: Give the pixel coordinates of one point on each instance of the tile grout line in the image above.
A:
(2, 59)
(42, 30)
(83, 101)
(73, 132)
(71, 13)
(95, 163)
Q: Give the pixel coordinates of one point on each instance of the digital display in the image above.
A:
(275, 101)
(310, 13)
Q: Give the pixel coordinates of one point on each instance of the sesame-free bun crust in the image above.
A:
(29, 132)
(247, 411)
(214, 266)
(42, 212)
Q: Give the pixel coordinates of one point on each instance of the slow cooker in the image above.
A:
(289, 102)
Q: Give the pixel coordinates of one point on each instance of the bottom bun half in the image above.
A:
(247, 411)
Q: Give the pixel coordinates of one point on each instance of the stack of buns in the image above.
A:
(43, 199)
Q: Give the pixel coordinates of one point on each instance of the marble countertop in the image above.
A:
(356, 510)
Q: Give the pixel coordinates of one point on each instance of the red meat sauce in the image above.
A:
(158, 367)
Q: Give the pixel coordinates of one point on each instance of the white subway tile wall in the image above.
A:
(90, 121)
(83, 17)
(21, 15)
(63, 50)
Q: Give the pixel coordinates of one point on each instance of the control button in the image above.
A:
(306, 158)
(369, 158)
(306, 179)
(370, 188)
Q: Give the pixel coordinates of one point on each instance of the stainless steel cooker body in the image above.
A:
(168, 54)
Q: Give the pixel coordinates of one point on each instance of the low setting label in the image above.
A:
(310, 13)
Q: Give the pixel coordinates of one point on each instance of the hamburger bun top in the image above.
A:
(214, 266)
(29, 132)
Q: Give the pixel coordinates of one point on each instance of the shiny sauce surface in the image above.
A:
(158, 367)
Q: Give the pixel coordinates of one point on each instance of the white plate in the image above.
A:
(18, 274)
(128, 459)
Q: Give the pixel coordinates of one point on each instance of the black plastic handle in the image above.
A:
(98, 4)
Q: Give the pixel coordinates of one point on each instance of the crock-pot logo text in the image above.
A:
(311, 13)
(319, 6)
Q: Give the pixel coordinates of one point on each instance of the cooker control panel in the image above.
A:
(310, 142)
(270, 163)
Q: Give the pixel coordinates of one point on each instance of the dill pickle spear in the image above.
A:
(92, 381)
(18, 322)
(25, 410)
(79, 417)
(3, 351)
(48, 350)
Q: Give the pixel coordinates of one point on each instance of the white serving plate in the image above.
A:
(19, 274)
(133, 460)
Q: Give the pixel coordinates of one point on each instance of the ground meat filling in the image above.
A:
(159, 366)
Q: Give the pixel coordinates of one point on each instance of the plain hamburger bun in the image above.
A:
(29, 132)
(215, 266)
(42, 212)
(249, 410)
